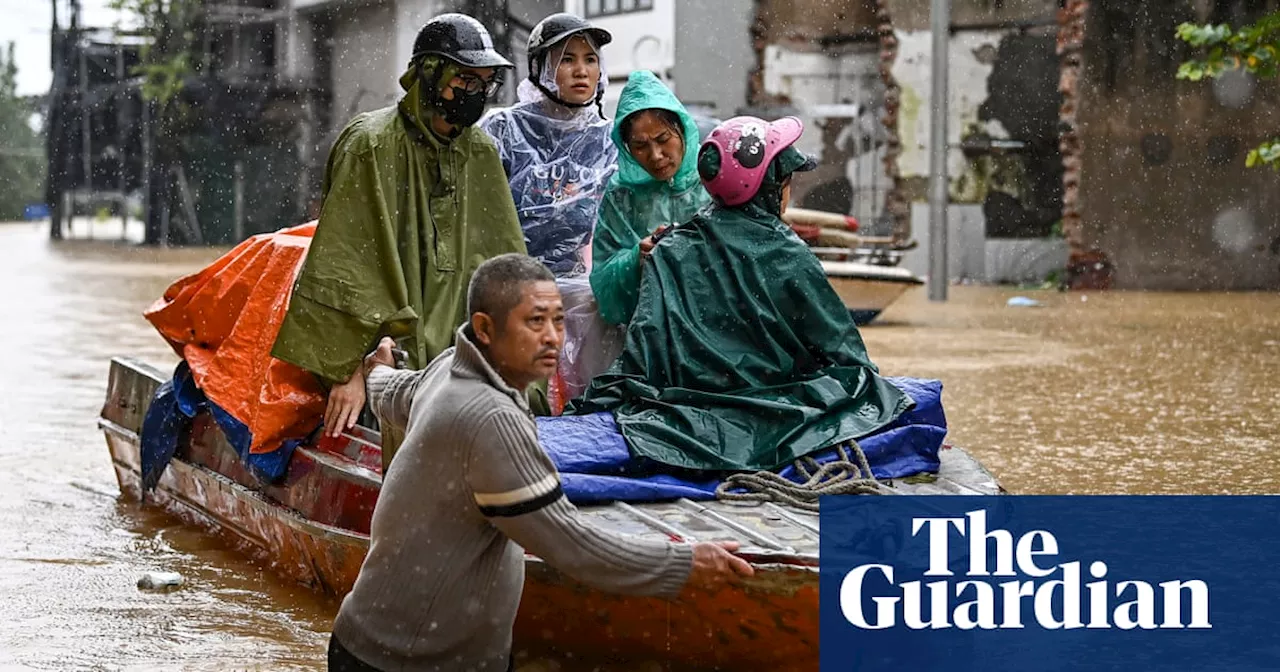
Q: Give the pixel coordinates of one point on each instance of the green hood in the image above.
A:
(413, 107)
(645, 91)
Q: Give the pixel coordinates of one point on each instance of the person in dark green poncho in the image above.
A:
(414, 199)
(740, 356)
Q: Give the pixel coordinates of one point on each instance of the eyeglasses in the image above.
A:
(473, 84)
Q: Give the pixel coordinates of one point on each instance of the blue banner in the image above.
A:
(1050, 583)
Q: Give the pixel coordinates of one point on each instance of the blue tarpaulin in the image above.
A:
(594, 461)
(596, 466)
(168, 421)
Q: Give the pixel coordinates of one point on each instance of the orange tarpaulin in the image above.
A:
(223, 321)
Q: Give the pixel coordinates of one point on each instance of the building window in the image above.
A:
(597, 8)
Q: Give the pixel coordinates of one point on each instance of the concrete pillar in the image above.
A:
(296, 50)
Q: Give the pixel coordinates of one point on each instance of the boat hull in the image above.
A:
(314, 529)
(868, 289)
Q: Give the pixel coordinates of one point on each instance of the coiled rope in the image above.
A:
(845, 475)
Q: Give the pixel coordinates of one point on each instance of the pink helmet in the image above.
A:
(747, 145)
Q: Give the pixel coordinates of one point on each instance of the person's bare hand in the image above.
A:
(346, 400)
(646, 246)
(381, 355)
(714, 564)
(647, 243)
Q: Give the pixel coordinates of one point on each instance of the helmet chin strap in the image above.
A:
(536, 78)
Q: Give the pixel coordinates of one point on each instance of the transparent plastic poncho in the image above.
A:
(559, 160)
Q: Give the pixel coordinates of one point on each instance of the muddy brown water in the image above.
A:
(1091, 393)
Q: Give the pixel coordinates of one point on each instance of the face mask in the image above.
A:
(464, 110)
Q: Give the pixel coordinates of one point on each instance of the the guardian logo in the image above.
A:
(1040, 590)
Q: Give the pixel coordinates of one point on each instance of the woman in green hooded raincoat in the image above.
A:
(656, 185)
(740, 356)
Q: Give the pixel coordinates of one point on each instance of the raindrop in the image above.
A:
(1234, 89)
(1233, 229)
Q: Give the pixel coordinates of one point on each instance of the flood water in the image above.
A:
(1091, 393)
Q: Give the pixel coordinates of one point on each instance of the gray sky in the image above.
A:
(26, 23)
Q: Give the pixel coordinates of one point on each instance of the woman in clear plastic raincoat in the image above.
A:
(555, 146)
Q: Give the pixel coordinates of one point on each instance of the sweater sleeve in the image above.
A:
(615, 254)
(390, 394)
(517, 488)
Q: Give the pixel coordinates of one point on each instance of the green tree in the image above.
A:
(1254, 48)
(22, 164)
(167, 58)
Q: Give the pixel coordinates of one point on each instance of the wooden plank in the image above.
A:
(130, 387)
(760, 538)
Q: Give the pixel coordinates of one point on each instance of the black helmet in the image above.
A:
(458, 38)
(558, 27)
(552, 31)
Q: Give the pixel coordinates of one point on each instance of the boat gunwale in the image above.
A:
(854, 270)
(761, 558)
(257, 499)
(343, 466)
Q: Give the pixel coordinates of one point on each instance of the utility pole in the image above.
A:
(938, 192)
(120, 97)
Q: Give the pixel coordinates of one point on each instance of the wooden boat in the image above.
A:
(868, 289)
(314, 529)
(862, 269)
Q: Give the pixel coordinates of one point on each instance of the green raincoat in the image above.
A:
(740, 355)
(635, 204)
(406, 219)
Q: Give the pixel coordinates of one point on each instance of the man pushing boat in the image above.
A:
(471, 490)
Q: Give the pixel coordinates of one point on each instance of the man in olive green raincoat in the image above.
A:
(414, 199)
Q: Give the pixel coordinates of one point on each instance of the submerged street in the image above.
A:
(1119, 392)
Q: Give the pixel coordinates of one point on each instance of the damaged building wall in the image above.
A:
(1002, 111)
(1165, 200)
(913, 15)
(828, 63)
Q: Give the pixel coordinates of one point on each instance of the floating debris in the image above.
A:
(1023, 302)
(160, 581)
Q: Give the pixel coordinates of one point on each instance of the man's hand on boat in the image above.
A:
(384, 354)
(714, 564)
(346, 400)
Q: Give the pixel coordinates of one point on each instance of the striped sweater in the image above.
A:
(469, 491)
